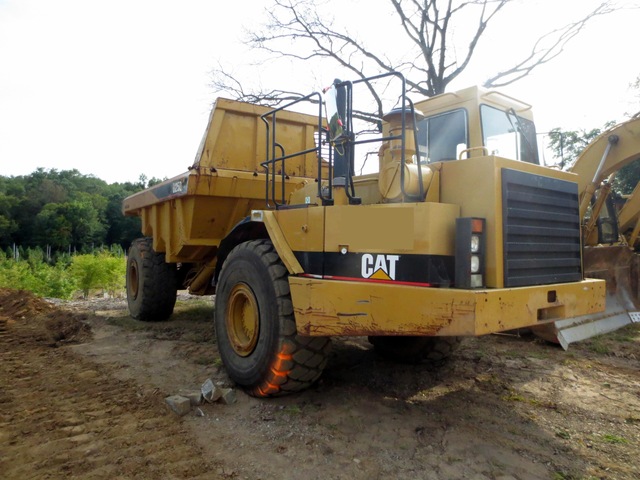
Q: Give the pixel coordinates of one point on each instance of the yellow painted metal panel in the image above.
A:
(280, 243)
(303, 228)
(419, 228)
(190, 224)
(326, 307)
(236, 138)
(476, 186)
(624, 152)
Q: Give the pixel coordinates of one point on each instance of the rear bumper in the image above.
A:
(335, 308)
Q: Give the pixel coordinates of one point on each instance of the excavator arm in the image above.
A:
(607, 154)
(617, 264)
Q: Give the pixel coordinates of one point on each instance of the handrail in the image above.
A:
(406, 106)
(272, 145)
(349, 141)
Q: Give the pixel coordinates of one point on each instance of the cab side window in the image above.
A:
(442, 137)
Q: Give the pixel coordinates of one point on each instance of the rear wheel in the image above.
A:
(432, 350)
(152, 284)
(255, 326)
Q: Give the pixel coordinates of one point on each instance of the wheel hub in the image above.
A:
(242, 320)
(133, 280)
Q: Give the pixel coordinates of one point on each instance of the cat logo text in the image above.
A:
(379, 267)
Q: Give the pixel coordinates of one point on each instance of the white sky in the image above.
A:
(120, 88)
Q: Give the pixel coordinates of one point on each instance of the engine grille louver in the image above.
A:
(541, 228)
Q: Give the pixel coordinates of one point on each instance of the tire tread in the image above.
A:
(159, 285)
(301, 360)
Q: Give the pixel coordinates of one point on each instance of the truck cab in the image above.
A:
(475, 122)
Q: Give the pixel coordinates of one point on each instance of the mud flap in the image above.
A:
(619, 267)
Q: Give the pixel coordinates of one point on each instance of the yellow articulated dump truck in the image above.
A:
(459, 232)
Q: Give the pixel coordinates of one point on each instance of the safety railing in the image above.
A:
(341, 161)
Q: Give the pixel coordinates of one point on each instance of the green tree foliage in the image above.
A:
(69, 223)
(568, 145)
(101, 271)
(104, 271)
(121, 230)
(39, 277)
(65, 210)
(627, 178)
(8, 225)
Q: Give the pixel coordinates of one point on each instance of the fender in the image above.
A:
(243, 231)
(268, 219)
(260, 224)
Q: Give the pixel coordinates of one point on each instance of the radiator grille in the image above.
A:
(541, 230)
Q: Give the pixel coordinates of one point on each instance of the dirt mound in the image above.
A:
(63, 416)
(21, 303)
(31, 317)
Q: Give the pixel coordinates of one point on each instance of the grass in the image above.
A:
(570, 476)
(514, 396)
(193, 311)
(292, 410)
(517, 397)
(613, 439)
(599, 345)
(630, 333)
(604, 344)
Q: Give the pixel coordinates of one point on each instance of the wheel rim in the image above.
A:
(133, 279)
(242, 320)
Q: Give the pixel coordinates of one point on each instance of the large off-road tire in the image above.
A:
(151, 283)
(431, 350)
(255, 326)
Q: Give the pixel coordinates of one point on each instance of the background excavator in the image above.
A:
(610, 233)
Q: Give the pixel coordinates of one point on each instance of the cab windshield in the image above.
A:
(508, 135)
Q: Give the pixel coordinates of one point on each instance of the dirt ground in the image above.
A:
(82, 388)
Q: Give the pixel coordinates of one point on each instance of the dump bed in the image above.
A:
(190, 214)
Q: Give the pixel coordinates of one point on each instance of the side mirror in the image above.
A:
(333, 116)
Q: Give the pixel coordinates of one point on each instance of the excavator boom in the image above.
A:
(616, 262)
(593, 167)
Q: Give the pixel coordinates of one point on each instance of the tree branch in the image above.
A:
(296, 29)
(540, 55)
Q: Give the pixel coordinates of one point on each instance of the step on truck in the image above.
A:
(457, 230)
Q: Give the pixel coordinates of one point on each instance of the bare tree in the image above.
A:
(546, 48)
(634, 87)
(427, 28)
(225, 81)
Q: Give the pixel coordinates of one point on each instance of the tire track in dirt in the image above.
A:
(63, 416)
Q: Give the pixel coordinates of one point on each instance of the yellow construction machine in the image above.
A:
(610, 235)
(459, 232)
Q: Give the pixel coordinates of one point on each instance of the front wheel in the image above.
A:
(255, 326)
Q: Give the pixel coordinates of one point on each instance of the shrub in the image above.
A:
(102, 270)
(39, 277)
